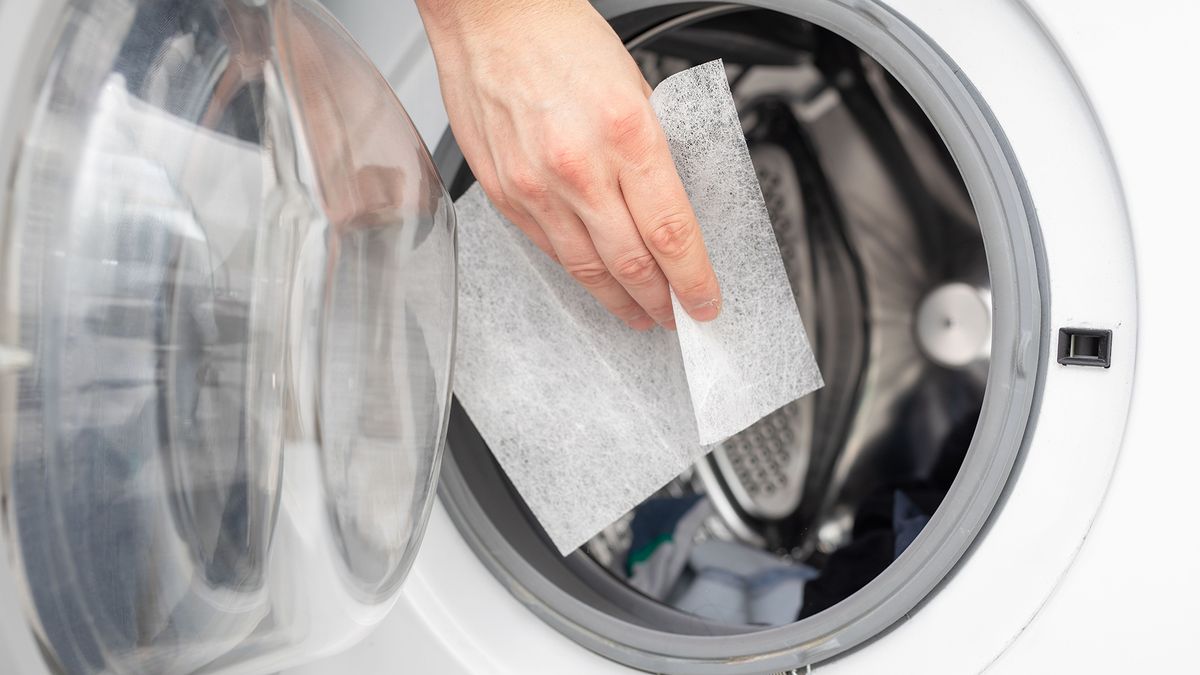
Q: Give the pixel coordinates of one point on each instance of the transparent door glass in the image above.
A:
(229, 266)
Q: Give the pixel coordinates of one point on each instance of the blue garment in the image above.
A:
(907, 521)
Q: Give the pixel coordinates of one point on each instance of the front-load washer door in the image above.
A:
(228, 293)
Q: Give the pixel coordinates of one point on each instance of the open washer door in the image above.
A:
(228, 297)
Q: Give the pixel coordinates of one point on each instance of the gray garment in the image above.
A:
(736, 584)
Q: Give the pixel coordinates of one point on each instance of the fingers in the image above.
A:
(529, 195)
(605, 201)
(578, 255)
(485, 172)
(660, 209)
(589, 191)
(525, 222)
(620, 246)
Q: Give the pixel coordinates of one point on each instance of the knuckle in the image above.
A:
(589, 274)
(672, 235)
(664, 309)
(630, 129)
(628, 310)
(695, 287)
(527, 185)
(637, 269)
(570, 164)
(661, 312)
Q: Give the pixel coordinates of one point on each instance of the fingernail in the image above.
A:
(707, 310)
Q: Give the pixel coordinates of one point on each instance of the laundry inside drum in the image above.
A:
(885, 256)
(886, 261)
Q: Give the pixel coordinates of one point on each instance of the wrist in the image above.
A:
(464, 18)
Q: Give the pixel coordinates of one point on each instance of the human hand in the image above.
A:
(553, 117)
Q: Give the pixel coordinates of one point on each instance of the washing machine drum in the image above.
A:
(229, 300)
(904, 232)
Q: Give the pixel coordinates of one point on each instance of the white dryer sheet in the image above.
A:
(588, 417)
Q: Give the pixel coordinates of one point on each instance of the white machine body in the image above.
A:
(1088, 562)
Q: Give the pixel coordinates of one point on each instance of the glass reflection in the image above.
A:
(236, 287)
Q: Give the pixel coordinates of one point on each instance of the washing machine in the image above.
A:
(229, 439)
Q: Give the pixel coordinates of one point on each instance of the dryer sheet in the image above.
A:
(588, 417)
